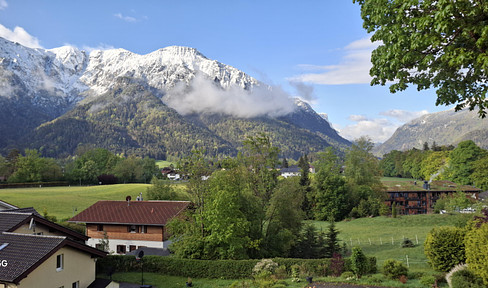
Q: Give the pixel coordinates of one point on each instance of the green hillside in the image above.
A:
(64, 202)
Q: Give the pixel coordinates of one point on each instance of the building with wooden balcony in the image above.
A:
(412, 197)
(129, 225)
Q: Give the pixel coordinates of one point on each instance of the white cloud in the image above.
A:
(378, 129)
(402, 115)
(202, 96)
(3, 4)
(19, 35)
(353, 68)
(129, 19)
(101, 46)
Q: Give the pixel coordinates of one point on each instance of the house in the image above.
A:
(290, 171)
(421, 198)
(129, 225)
(35, 252)
(6, 206)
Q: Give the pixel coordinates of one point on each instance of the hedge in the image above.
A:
(226, 269)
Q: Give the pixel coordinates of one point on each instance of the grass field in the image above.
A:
(382, 236)
(164, 163)
(65, 202)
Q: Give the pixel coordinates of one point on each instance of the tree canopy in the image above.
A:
(437, 44)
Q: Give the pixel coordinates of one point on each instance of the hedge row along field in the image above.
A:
(225, 269)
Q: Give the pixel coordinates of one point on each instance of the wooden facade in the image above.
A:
(421, 202)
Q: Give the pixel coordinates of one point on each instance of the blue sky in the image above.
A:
(318, 42)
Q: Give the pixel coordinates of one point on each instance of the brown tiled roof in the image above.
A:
(137, 212)
(25, 252)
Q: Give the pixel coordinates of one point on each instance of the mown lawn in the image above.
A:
(65, 202)
(382, 236)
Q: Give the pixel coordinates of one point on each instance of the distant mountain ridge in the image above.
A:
(162, 104)
(443, 128)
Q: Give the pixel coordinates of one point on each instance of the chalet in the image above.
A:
(35, 252)
(129, 225)
(420, 198)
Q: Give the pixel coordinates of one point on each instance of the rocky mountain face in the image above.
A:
(443, 128)
(162, 104)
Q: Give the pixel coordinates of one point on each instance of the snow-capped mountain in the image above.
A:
(67, 72)
(70, 85)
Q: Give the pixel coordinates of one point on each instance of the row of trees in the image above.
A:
(92, 166)
(466, 164)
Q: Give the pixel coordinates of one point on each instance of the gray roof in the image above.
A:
(9, 220)
(25, 252)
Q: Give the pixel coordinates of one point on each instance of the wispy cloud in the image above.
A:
(3, 4)
(125, 18)
(402, 115)
(101, 46)
(353, 68)
(19, 35)
(378, 129)
(130, 19)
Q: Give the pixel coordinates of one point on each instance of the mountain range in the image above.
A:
(162, 104)
(443, 128)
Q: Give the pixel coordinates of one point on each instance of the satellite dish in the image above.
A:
(141, 254)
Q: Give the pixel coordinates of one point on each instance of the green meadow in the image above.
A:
(382, 236)
(65, 202)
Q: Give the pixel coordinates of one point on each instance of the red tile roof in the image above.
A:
(137, 212)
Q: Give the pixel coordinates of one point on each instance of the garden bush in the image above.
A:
(393, 269)
(444, 247)
(466, 279)
(476, 242)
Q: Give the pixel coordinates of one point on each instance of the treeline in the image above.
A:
(242, 209)
(466, 164)
(90, 166)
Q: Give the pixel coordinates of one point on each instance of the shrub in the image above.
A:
(295, 273)
(280, 272)
(337, 265)
(359, 262)
(476, 253)
(394, 269)
(466, 279)
(407, 243)
(265, 265)
(444, 247)
(348, 275)
(427, 280)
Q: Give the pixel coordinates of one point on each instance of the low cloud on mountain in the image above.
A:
(203, 96)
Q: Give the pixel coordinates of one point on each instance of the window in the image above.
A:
(121, 249)
(143, 229)
(132, 229)
(59, 262)
(100, 227)
(132, 247)
(75, 284)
